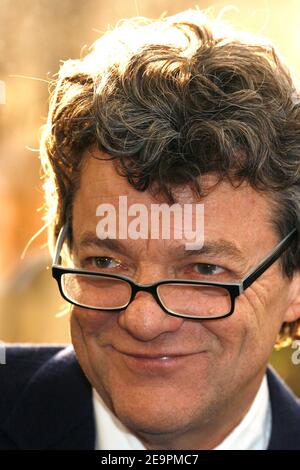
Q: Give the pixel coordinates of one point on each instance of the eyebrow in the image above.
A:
(220, 247)
(89, 239)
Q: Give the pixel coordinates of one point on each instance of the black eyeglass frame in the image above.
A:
(233, 288)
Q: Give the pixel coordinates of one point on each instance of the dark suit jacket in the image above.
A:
(46, 403)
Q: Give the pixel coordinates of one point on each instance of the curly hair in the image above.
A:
(172, 100)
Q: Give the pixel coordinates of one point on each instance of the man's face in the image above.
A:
(219, 363)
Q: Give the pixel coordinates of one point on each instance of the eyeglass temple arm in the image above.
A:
(268, 260)
(59, 243)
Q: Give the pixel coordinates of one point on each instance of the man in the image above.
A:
(172, 335)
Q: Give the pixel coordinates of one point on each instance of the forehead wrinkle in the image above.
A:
(217, 248)
(210, 248)
(89, 239)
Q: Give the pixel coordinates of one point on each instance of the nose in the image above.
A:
(145, 320)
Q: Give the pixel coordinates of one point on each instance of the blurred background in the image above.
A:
(35, 36)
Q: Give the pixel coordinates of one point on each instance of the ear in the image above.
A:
(293, 310)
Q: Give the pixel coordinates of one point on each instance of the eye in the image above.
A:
(102, 262)
(208, 269)
(106, 262)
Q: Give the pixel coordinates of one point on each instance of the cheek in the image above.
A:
(257, 319)
(91, 322)
(266, 306)
(253, 327)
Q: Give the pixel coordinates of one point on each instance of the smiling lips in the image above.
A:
(160, 360)
(158, 355)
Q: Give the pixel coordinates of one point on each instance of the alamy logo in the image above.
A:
(296, 354)
(176, 221)
(2, 353)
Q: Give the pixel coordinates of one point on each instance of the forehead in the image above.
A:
(236, 213)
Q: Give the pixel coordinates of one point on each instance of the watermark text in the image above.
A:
(162, 221)
(296, 354)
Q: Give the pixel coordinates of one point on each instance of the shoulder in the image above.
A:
(20, 364)
(285, 414)
(44, 396)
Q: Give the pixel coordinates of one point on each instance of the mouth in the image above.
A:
(160, 360)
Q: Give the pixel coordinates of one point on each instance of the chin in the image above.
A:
(147, 420)
(158, 411)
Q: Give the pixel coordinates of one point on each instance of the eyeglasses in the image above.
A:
(197, 300)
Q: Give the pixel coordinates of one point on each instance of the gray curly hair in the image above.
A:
(174, 99)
